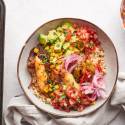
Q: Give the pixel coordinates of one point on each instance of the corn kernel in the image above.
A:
(59, 61)
(36, 50)
(57, 67)
(53, 54)
(64, 87)
(50, 89)
(46, 89)
(50, 85)
(52, 66)
(57, 86)
(51, 58)
(47, 48)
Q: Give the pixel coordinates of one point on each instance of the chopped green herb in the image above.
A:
(81, 44)
(44, 58)
(46, 102)
(49, 81)
(76, 45)
(78, 100)
(53, 88)
(66, 25)
(63, 96)
(66, 45)
(91, 44)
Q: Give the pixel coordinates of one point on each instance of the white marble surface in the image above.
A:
(24, 16)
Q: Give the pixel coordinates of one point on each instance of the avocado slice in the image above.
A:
(58, 46)
(66, 45)
(42, 39)
(52, 37)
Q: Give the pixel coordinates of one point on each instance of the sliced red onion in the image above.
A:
(93, 97)
(72, 61)
(88, 89)
(98, 80)
(100, 93)
(96, 88)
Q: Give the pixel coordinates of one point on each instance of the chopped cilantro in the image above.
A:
(63, 96)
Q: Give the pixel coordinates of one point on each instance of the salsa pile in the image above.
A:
(67, 67)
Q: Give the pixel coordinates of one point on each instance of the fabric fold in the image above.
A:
(20, 111)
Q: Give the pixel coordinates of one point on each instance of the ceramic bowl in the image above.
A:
(111, 61)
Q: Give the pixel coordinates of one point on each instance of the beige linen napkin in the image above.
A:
(21, 112)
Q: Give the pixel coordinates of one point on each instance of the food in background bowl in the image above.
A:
(67, 67)
(122, 10)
